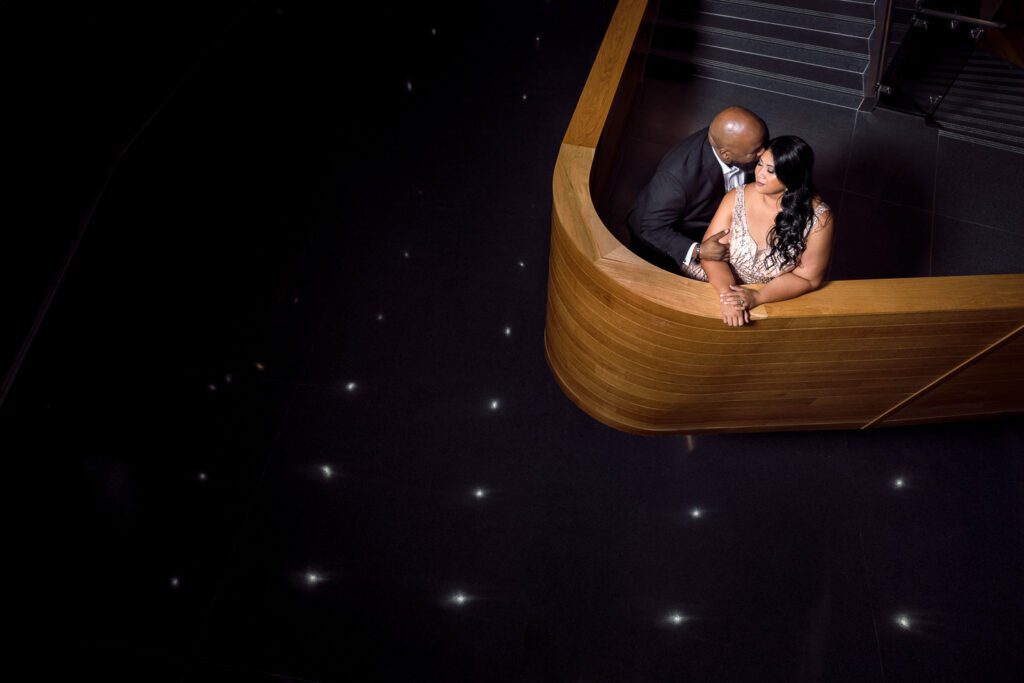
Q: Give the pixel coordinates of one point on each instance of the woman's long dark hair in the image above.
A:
(794, 161)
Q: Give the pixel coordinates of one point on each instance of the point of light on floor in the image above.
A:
(675, 618)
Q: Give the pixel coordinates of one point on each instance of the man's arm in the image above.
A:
(664, 201)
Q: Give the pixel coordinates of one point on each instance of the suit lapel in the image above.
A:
(711, 168)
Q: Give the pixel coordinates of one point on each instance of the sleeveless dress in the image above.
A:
(746, 260)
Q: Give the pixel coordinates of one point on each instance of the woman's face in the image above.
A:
(764, 175)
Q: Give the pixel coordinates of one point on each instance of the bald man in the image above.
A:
(673, 211)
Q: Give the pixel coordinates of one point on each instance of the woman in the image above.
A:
(780, 234)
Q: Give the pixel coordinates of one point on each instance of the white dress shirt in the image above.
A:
(733, 177)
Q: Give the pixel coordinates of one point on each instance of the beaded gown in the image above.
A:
(746, 260)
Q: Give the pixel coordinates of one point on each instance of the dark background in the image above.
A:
(289, 260)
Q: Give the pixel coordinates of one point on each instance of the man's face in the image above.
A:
(740, 150)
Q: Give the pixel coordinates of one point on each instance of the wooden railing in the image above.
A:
(645, 351)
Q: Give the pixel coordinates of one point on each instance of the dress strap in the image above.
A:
(814, 224)
(739, 209)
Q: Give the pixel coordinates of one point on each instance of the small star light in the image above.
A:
(904, 621)
(405, 254)
(260, 366)
(202, 476)
(508, 331)
(898, 483)
(524, 97)
(350, 387)
(433, 31)
(312, 578)
(327, 471)
(460, 598)
(536, 38)
(495, 404)
(175, 582)
(696, 513)
(675, 618)
(211, 387)
(228, 378)
(479, 493)
(380, 317)
(408, 86)
(522, 264)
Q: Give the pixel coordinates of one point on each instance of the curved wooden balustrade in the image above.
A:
(645, 351)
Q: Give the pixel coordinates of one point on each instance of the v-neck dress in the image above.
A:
(746, 260)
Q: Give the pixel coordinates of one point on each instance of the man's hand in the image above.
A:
(716, 247)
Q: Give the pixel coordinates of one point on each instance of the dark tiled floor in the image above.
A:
(878, 239)
(979, 185)
(893, 158)
(963, 248)
(257, 438)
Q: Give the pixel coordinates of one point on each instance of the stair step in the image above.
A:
(808, 38)
(986, 94)
(677, 34)
(772, 66)
(993, 69)
(980, 123)
(986, 84)
(772, 14)
(971, 131)
(846, 9)
(674, 68)
(1011, 77)
(967, 135)
(1013, 111)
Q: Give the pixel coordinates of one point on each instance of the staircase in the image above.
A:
(812, 49)
(985, 104)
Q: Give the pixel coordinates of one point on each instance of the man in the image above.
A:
(673, 211)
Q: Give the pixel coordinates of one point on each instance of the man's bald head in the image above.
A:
(738, 136)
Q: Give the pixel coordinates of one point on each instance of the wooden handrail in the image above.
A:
(645, 351)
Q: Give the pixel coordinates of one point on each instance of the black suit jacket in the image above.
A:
(674, 210)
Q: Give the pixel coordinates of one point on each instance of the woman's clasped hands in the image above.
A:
(736, 305)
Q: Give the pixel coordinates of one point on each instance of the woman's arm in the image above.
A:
(719, 273)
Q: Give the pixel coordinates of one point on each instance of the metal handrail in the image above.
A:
(959, 18)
